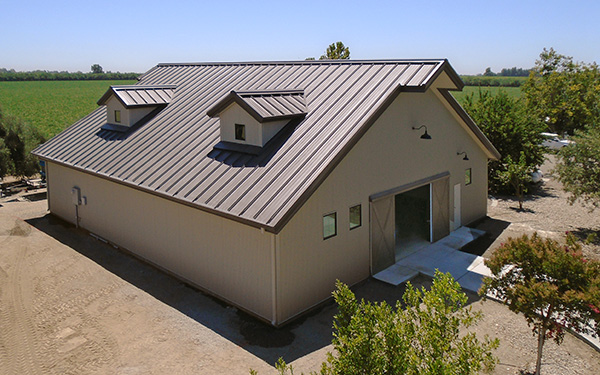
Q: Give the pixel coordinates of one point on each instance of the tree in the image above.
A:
(488, 72)
(511, 129)
(97, 69)
(420, 337)
(17, 139)
(554, 286)
(336, 51)
(563, 94)
(578, 166)
(517, 174)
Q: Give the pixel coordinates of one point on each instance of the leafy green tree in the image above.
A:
(563, 94)
(420, 337)
(554, 286)
(578, 166)
(336, 51)
(517, 174)
(17, 141)
(488, 72)
(97, 69)
(511, 129)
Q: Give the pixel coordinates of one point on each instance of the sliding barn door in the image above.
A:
(383, 242)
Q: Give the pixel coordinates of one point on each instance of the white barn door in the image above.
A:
(383, 242)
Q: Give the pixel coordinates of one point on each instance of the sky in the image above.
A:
(134, 36)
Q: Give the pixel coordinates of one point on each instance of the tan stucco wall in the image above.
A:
(128, 116)
(389, 155)
(234, 114)
(221, 256)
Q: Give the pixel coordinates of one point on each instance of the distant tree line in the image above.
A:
(44, 75)
(508, 72)
(493, 81)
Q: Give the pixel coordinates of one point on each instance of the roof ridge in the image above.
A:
(307, 62)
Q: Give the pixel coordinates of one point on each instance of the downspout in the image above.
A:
(274, 270)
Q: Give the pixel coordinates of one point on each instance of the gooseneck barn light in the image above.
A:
(425, 135)
(460, 153)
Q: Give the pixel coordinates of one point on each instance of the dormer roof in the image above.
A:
(264, 105)
(139, 96)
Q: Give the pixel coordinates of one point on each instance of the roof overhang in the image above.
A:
(139, 95)
(257, 104)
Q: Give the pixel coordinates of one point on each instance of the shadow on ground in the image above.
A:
(493, 229)
(293, 341)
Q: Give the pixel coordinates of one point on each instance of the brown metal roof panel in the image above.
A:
(314, 138)
(354, 117)
(418, 79)
(179, 167)
(340, 127)
(297, 141)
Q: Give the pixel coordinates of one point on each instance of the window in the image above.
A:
(468, 176)
(329, 225)
(355, 217)
(240, 132)
(117, 116)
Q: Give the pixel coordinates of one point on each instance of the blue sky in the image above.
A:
(136, 35)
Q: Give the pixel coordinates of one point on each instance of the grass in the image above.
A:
(514, 92)
(51, 106)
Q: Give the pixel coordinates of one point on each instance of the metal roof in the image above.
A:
(173, 155)
(140, 96)
(266, 105)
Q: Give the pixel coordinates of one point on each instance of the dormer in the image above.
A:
(253, 118)
(128, 105)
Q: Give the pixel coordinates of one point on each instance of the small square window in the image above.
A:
(355, 217)
(117, 116)
(329, 225)
(240, 132)
(468, 176)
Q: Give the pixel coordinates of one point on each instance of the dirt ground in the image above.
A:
(70, 304)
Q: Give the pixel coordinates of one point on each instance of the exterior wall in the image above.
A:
(112, 105)
(257, 134)
(234, 114)
(389, 155)
(128, 116)
(221, 256)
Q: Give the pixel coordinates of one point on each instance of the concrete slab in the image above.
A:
(445, 256)
(396, 274)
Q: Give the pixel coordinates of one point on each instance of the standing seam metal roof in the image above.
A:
(135, 96)
(265, 105)
(173, 154)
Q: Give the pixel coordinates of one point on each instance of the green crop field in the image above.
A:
(51, 106)
(514, 92)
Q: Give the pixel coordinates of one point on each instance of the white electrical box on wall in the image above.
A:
(76, 196)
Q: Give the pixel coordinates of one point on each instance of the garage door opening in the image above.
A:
(413, 220)
(407, 217)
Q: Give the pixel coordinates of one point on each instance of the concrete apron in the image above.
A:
(444, 255)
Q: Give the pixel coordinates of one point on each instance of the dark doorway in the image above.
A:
(413, 220)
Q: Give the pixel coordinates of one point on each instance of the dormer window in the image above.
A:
(240, 132)
(134, 104)
(248, 120)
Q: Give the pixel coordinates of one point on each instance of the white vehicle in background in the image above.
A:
(553, 142)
